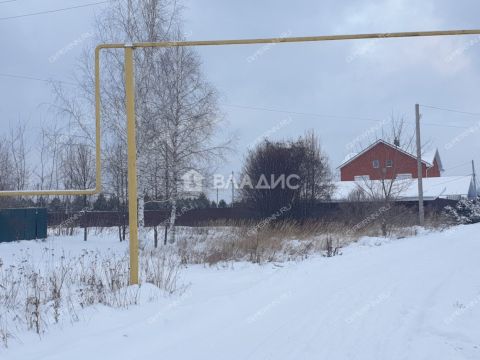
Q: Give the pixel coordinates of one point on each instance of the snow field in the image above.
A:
(412, 298)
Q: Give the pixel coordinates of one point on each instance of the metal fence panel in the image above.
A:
(23, 224)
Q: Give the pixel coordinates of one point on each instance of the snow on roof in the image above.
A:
(430, 157)
(433, 188)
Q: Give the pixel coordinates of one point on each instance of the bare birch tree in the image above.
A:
(117, 181)
(176, 108)
(6, 166)
(46, 173)
(121, 21)
(187, 106)
(18, 155)
(79, 171)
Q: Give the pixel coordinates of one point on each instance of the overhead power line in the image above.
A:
(332, 116)
(456, 178)
(24, 77)
(54, 10)
(451, 110)
(458, 166)
(446, 125)
(301, 113)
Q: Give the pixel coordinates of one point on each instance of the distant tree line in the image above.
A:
(102, 202)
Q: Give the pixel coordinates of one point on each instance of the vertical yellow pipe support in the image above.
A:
(132, 163)
(98, 136)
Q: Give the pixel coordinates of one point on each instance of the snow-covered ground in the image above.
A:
(413, 298)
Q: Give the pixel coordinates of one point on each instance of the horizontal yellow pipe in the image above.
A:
(98, 159)
(293, 39)
(48, 192)
(213, 43)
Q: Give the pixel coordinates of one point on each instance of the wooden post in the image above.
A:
(233, 188)
(474, 180)
(421, 210)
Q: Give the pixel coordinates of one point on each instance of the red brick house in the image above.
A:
(383, 160)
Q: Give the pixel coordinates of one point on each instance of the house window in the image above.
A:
(376, 164)
(389, 163)
(362, 178)
(404, 176)
(454, 197)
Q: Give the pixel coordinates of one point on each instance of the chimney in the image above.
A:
(396, 142)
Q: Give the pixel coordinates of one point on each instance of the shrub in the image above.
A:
(36, 294)
(464, 212)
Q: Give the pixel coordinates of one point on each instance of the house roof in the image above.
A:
(431, 156)
(427, 160)
(433, 188)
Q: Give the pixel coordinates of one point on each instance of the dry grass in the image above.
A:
(285, 240)
(33, 297)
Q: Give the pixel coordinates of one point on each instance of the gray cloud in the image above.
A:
(384, 76)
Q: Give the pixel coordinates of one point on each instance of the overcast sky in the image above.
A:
(351, 81)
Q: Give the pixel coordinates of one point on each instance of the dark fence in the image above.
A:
(332, 208)
(185, 217)
(23, 224)
(338, 211)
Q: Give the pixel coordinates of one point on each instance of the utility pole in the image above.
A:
(421, 210)
(474, 180)
(233, 188)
